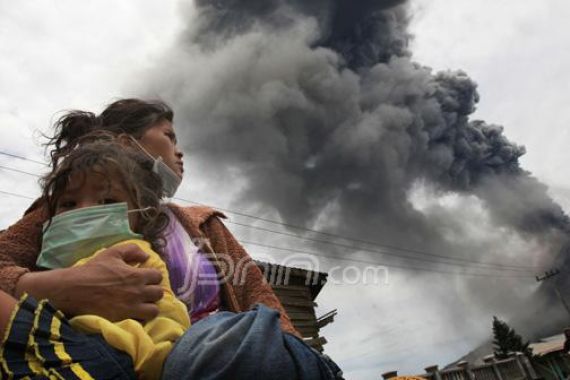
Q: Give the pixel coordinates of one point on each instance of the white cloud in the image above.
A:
(63, 54)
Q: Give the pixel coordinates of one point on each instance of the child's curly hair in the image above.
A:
(101, 153)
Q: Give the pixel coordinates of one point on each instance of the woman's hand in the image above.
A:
(108, 286)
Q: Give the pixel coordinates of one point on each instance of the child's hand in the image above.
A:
(108, 286)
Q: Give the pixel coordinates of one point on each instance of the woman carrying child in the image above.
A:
(107, 286)
(150, 124)
(100, 195)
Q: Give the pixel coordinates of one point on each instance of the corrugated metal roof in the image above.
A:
(278, 275)
(548, 345)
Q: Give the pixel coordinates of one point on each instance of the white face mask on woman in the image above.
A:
(170, 180)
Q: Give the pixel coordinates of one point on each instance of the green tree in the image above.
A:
(506, 340)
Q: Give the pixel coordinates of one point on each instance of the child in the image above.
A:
(101, 195)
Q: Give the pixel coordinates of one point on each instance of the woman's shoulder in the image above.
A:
(31, 222)
(195, 216)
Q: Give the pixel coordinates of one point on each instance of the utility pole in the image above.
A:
(549, 274)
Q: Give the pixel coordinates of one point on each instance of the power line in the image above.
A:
(548, 275)
(19, 171)
(383, 252)
(384, 246)
(387, 265)
(388, 253)
(22, 158)
(350, 260)
(16, 195)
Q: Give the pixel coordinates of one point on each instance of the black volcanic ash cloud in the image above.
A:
(319, 106)
(363, 33)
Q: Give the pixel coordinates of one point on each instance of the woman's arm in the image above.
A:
(7, 305)
(76, 291)
(105, 281)
(19, 247)
(148, 344)
(248, 282)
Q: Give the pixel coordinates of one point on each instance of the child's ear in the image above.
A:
(126, 140)
(134, 221)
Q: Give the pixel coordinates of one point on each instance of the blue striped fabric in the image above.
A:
(40, 344)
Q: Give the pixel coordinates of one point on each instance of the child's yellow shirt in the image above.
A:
(147, 343)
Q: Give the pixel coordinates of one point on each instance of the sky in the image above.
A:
(61, 54)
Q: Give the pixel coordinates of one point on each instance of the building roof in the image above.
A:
(297, 290)
(280, 275)
(548, 345)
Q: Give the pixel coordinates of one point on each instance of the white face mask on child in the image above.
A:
(170, 180)
(76, 234)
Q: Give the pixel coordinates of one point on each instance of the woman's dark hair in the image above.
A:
(130, 116)
(100, 153)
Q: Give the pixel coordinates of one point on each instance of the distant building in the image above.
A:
(297, 290)
(552, 363)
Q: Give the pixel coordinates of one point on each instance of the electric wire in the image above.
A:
(16, 195)
(388, 253)
(19, 171)
(444, 257)
(482, 265)
(312, 253)
(22, 158)
(382, 246)
(487, 275)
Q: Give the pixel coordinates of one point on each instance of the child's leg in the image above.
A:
(57, 350)
(7, 305)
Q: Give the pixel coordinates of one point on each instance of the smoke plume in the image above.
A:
(318, 110)
(320, 104)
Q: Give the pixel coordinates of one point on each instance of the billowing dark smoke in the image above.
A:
(316, 109)
(319, 106)
(364, 34)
